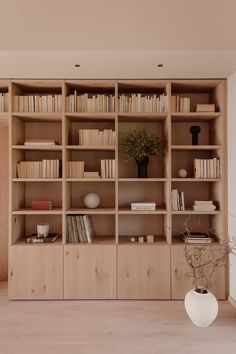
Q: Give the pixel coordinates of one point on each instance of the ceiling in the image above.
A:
(117, 38)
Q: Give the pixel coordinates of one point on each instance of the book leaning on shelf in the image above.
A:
(79, 229)
(177, 200)
(108, 168)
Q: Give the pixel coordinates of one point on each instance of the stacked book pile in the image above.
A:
(90, 103)
(206, 168)
(180, 104)
(52, 237)
(106, 137)
(138, 103)
(143, 206)
(79, 229)
(38, 169)
(196, 237)
(93, 174)
(40, 142)
(42, 204)
(108, 168)
(177, 200)
(75, 169)
(204, 205)
(3, 102)
(38, 103)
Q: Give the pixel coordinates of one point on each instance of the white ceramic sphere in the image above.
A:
(91, 200)
(202, 309)
(182, 173)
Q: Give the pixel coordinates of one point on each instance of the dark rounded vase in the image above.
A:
(142, 167)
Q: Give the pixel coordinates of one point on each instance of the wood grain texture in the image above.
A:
(36, 272)
(3, 202)
(90, 272)
(181, 283)
(143, 272)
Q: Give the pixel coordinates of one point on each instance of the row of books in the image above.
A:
(38, 169)
(197, 237)
(108, 168)
(75, 169)
(79, 229)
(3, 102)
(106, 137)
(42, 204)
(143, 103)
(90, 103)
(38, 103)
(177, 200)
(206, 168)
(204, 205)
(180, 104)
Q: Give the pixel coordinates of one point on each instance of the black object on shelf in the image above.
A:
(195, 130)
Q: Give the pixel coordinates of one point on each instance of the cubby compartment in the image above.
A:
(26, 225)
(88, 96)
(37, 96)
(141, 192)
(28, 129)
(200, 92)
(157, 167)
(76, 192)
(23, 193)
(141, 225)
(74, 125)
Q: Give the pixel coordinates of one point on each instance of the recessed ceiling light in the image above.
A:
(160, 65)
(77, 65)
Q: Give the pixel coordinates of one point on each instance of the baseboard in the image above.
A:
(232, 301)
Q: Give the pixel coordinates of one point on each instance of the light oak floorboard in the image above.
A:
(94, 327)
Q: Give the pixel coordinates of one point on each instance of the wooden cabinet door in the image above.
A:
(36, 272)
(182, 283)
(143, 272)
(90, 272)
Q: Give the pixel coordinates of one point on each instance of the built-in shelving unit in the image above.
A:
(112, 266)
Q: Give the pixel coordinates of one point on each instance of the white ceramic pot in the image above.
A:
(202, 309)
(91, 200)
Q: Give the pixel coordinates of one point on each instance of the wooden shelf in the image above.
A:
(127, 210)
(91, 117)
(100, 210)
(196, 179)
(90, 179)
(22, 242)
(90, 147)
(194, 116)
(36, 179)
(142, 179)
(29, 211)
(98, 240)
(38, 117)
(193, 212)
(142, 117)
(35, 147)
(158, 240)
(196, 147)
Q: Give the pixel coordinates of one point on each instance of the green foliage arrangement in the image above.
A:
(139, 144)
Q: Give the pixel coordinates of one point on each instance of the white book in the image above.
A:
(174, 199)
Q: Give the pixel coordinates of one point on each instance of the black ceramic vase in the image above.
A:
(142, 167)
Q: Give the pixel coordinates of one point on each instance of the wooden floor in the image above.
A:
(124, 327)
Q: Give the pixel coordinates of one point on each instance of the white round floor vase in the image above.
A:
(202, 309)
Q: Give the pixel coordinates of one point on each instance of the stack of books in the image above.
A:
(94, 137)
(177, 200)
(42, 204)
(197, 237)
(143, 206)
(38, 103)
(52, 237)
(90, 103)
(180, 104)
(40, 142)
(108, 168)
(3, 102)
(93, 174)
(206, 168)
(138, 103)
(38, 169)
(204, 205)
(75, 169)
(79, 229)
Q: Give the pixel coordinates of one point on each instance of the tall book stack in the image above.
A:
(75, 169)
(38, 103)
(177, 200)
(180, 104)
(79, 229)
(108, 169)
(106, 137)
(138, 103)
(3, 102)
(38, 169)
(204, 205)
(206, 168)
(90, 103)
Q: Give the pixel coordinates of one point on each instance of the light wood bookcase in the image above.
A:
(111, 267)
